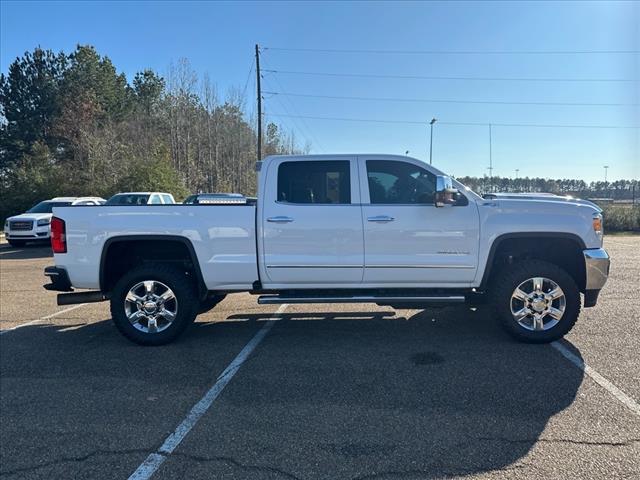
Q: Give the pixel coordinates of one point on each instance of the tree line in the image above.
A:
(71, 124)
(616, 190)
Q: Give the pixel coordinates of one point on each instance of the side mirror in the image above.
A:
(445, 193)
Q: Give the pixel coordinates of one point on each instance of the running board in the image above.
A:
(275, 299)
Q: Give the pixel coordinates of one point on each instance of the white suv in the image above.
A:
(34, 224)
(141, 198)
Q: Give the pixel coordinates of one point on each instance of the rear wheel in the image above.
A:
(17, 243)
(153, 304)
(536, 301)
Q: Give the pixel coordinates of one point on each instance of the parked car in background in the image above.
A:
(215, 198)
(141, 198)
(33, 225)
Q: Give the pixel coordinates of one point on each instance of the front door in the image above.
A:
(312, 223)
(407, 239)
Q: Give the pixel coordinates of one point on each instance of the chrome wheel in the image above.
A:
(538, 304)
(151, 306)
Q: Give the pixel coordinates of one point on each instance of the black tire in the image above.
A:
(17, 243)
(506, 282)
(185, 296)
(209, 303)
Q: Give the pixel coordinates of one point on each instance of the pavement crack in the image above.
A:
(236, 463)
(74, 459)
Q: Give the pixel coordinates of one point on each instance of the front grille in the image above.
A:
(21, 225)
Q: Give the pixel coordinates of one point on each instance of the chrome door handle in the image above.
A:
(279, 219)
(381, 219)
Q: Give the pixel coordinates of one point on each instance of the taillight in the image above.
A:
(58, 235)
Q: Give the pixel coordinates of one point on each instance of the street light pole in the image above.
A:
(433, 120)
(490, 161)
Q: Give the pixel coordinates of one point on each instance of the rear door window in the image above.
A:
(315, 182)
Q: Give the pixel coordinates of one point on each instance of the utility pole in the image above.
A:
(606, 167)
(259, 93)
(517, 170)
(433, 120)
(490, 162)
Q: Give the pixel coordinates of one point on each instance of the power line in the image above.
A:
(246, 84)
(416, 122)
(423, 100)
(456, 52)
(304, 124)
(295, 126)
(449, 77)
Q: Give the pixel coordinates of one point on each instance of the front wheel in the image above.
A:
(536, 301)
(153, 304)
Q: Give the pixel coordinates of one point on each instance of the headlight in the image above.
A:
(44, 221)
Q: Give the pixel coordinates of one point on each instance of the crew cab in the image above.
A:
(382, 229)
(33, 226)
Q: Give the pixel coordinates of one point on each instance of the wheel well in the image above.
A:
(121, 255)
(565, 252)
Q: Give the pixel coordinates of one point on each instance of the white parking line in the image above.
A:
(626, 400)
(153, 461)
(11, 251)
(42, 319)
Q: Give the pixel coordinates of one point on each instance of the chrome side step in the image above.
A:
(276, 299)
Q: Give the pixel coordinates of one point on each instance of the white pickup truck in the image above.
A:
(381, 229)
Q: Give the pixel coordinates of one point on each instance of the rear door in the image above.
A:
(311, 222)
(407, 239)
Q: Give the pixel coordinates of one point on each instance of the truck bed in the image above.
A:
(223, 238)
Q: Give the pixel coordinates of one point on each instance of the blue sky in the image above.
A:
(218, 38)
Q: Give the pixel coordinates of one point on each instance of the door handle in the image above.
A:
(279, 219)
(381, 219)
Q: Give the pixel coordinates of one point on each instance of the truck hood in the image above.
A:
(544, 200)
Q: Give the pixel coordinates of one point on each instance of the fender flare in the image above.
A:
(508, 236)
(202, 288)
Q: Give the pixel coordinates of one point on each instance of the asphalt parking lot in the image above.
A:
(328, 391)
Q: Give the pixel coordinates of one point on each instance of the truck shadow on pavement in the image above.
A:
(358, 395)
(7, 252)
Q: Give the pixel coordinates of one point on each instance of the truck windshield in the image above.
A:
(125, 199)
(46, 207)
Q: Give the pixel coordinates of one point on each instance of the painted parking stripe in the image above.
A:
(4, 252)
(157, 458)
(42, 319)
(625, 399)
